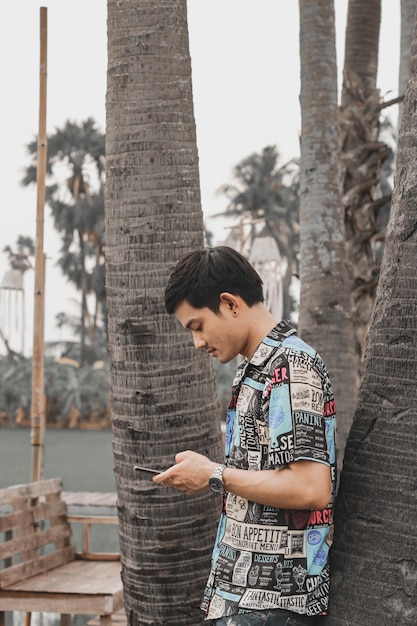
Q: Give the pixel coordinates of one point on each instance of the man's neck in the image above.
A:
(260, 323)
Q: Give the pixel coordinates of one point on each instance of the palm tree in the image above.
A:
(83, 239)
(77, 203)
(162, 391)
(363, 154)
(374, 569)
(325, 295)
(408, 9)
(265, 199)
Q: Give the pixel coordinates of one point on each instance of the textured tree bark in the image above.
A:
(362, 156)
(162, 391)
(325, 306)
(374, 567)
(408, 11)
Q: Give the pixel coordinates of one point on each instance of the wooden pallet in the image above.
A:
(41, 571)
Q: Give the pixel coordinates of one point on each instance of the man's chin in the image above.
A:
(223, 359)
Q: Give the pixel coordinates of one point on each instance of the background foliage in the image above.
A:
(75, 396)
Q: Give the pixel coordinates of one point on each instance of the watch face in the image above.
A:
(216, 484)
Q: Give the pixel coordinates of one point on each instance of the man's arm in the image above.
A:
(301, 485)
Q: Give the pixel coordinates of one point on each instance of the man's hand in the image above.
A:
(190, 473)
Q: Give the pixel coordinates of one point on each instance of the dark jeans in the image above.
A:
(274, 617)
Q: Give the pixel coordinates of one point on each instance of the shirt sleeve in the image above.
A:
(294, 397)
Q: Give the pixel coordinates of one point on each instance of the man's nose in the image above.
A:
(199, 342)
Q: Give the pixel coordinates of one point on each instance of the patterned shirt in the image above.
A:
(282, 410)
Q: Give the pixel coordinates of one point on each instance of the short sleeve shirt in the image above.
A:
(282, 410)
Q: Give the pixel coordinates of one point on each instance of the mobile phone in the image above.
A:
(145, 472)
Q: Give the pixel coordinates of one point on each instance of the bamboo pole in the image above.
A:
(38, 387)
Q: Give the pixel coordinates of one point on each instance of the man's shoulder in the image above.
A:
(296, 354)
(282, 346)
(287, 342)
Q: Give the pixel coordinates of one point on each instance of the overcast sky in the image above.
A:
(245, 64)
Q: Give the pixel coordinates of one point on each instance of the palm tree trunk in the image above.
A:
(408, 10)
(361, 49)
(374, 567)
(162, 391)
(362, 157)
(325, 294)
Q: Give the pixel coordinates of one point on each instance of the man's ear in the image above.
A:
(230, 300)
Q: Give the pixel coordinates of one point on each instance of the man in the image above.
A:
(270, 559)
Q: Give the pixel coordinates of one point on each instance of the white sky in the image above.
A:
(245, 62)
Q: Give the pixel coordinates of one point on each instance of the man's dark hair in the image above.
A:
(201, 276)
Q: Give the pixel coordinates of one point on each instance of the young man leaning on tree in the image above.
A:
(270, 559)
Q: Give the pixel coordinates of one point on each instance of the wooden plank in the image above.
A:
(19, 505)
(34, 540)
(86, 538)
(98, 556)
(76, 577)
(85, 498)
(61, 603)
(36, 566)
(93, 519)
(61, 542)
(79, 587)
(117, 619)
(35, 514)
(30, 490)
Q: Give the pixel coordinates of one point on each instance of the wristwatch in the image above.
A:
(215, 482)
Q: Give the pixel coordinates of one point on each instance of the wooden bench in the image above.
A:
(39, 568)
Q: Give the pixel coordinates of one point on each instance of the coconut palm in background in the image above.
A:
(264, 201)
(374, 568)
(75, 169)
(162, 391)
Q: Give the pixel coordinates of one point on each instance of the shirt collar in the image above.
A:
(271, 342)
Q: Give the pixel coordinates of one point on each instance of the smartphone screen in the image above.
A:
(145, 472)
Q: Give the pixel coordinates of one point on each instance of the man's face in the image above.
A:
(217, 333)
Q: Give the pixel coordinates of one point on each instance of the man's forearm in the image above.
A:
(303, 485)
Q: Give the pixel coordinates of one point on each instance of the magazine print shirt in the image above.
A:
(282, 410)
